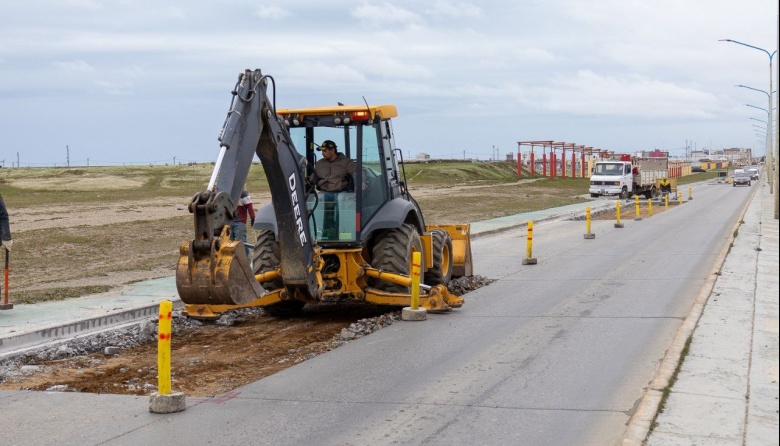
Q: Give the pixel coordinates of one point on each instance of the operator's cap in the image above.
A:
(327, 144)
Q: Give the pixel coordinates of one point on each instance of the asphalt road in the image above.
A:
(556, 353)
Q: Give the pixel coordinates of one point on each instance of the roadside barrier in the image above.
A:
(414, 312)
(617, 214)
(588, 235)
(165, 401)
(164, 348)
(649, 207)
(690, 193)
(529, 259)
(638, 215)
(679, 197)
(666, 201)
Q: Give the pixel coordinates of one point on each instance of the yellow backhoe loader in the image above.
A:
(312, 247)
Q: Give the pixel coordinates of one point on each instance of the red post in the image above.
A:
(573, 164)
(532, 163)
(544, 164)
(519, 165)
(582, 164)
(553, 165)
(563, 163)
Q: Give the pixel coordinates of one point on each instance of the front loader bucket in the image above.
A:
(216, 276)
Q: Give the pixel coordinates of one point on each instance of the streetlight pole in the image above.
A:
(769, 152)
(769, 142)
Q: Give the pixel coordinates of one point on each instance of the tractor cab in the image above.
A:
(363, 134)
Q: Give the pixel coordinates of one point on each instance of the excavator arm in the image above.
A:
(213, 269)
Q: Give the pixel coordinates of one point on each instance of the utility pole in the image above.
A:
(174, 161)
(17, 160)
(67, 155)
(87, 162)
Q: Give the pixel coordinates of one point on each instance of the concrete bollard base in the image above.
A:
(589, 236)
(619, 225)
(6, 306)
(408, 314)
(174, 402)
(637, 218)
(529, 261)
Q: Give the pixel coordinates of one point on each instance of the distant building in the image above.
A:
(423, 156)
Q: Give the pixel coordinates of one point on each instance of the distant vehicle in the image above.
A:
(722, 177)
(628, 176)
(753, 171)
(697, 169)
(741, 178)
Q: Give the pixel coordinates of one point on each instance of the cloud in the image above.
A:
(78, 66)
(628, 95)
(271, 12)
(384, 14)
(455, 10)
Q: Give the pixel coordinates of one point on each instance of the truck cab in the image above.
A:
(611, 178)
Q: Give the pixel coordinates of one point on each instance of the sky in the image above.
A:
(107, 82)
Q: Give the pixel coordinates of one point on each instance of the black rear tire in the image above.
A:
(440, 272)
(392, 252)
(265, 257)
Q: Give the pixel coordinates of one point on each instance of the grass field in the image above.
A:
(84, 230)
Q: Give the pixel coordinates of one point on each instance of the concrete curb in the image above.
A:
(57, 334)
(640, 424)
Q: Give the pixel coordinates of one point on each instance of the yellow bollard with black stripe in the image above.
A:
(165, 401)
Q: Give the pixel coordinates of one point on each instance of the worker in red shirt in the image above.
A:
(238, 225)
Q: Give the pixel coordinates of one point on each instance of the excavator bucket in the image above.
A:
(218, 275)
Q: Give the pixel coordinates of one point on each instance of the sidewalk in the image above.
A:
(726, 390)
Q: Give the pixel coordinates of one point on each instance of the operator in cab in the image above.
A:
(334, 172)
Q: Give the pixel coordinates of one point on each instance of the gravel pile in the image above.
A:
(112, 342)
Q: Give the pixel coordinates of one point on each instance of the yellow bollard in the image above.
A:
(617, 214)
(529, 260)
(666, 201)
(638, 215)
(414, 312)
(164, 348)
(165, 401)
(588, 235)
(415, 280)
(690, 193)
(649, 207)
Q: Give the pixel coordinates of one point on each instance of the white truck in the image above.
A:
(628, 176)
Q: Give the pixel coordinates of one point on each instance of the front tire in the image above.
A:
(440, 272)
(392, 252)
(623, 193)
